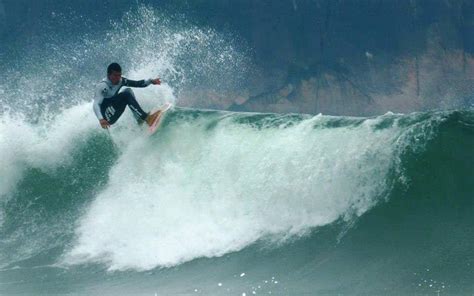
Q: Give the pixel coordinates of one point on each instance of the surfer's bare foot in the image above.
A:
(151, 118)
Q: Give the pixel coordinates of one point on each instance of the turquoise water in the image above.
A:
(220, 203)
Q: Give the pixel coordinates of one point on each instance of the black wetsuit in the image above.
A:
(110, 104)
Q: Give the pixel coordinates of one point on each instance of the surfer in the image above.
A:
(109, 104)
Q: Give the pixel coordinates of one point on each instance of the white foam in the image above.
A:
(39, 85)
(198, 192)
(42, 145)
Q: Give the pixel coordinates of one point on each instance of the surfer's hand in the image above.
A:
(104, 123)
(156, 81)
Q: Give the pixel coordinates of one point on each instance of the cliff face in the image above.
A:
(435, 79)
(350, 57)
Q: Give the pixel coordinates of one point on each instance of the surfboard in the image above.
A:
(156, 123)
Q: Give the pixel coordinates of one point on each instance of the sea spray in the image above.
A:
(210, 183)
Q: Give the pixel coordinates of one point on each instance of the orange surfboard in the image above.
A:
(156, 124)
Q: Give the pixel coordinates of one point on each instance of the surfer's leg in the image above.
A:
(112, 108)
(132, 103)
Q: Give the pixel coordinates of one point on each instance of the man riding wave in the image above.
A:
(109, 104)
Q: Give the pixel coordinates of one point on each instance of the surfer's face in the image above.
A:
(114, 77)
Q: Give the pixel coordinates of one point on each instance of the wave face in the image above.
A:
(231, 179)
(311, 200)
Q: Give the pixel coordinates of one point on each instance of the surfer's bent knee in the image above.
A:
(129, 91)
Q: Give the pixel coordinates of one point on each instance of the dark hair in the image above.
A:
(114, 67)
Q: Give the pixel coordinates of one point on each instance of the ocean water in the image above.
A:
(218, 202)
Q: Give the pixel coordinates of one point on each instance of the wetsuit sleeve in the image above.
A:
(100, 91)
(136, 83)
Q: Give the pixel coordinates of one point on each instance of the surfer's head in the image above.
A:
(114, 73)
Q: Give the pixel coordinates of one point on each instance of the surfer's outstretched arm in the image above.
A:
(140, 83)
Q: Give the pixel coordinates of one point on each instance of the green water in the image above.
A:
(242, 203)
